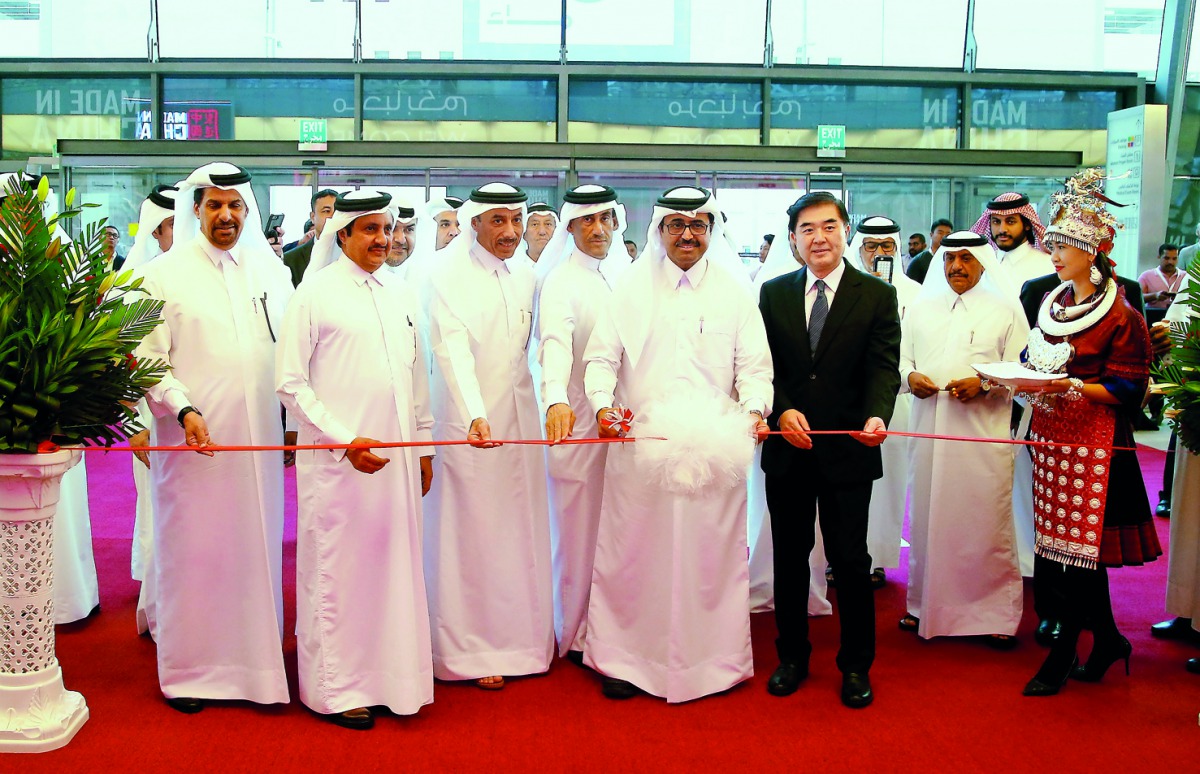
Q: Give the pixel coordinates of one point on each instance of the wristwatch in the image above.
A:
(183, 412)
(984, 384)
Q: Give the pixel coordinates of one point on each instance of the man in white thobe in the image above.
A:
(540, 227)
(580, 264)
(155, 236)
(487, 529)
(878, 238)
(1010, 222)
(964, 577)
(1183, 567)
(350, 369)
(218, 538)
(669, 610)
(443, 212)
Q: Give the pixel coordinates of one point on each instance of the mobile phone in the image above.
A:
(271, 230)
(883, 265)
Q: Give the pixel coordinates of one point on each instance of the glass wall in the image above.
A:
(1047, 120)
(443, 109)
(696, 31)
(75, 28)
(38, 111)
(665, 112)
(462, 29)
(1076, 36)
(874, 116)
(255, 108)
(881, 33)
(264, 29)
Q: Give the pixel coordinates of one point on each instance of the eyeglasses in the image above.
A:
(677, 227)
(887, 247)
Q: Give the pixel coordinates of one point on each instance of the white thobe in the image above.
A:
(349, 365)
(142, 553)
(1019, 266)
(889, 495)
(1183, 565)
(669, 609)
(218, 532)
(1022, 264)
(571, 298)
(963, 577)
(76, 590)
(487, 529)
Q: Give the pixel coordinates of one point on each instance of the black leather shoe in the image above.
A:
(575, 657)
(359, 719)
(1174, 629)
(1193, 666)
(1047, 632)
(1164, 509)
(856, 690)
(186, 705)
(786, 678)
(619, 689)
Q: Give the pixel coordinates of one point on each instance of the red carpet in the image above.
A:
(940, 705)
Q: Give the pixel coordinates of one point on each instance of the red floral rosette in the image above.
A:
(619, 417)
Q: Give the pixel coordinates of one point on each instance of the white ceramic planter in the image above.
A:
(36, 712)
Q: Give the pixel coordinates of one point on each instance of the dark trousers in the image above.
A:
(1169, 471)
(793, 502)
(1075, 596)
(1082, 600)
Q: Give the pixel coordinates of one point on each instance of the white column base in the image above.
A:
(37, 713)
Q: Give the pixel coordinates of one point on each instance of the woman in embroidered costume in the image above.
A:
(1090, 504)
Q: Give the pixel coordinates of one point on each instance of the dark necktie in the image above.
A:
(816, 321)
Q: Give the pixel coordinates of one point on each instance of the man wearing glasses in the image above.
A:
(669, 608)
(875, 249)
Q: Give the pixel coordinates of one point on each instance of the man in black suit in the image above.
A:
(297, 258)
(834, 334)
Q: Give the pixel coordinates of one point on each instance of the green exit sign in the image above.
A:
(314, 134)
(831, 141)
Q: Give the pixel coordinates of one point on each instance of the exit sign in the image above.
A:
(831, 141)
(314, 134)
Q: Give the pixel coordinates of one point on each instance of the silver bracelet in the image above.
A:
(1076, 390)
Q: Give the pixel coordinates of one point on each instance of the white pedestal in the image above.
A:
(36, 712)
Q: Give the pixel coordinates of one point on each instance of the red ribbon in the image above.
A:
(962, 438)
(382, 445)
(567, 442)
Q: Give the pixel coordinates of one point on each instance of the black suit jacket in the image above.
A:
(853, 375)
(1034, 292)
(297, 261)
(918, 267)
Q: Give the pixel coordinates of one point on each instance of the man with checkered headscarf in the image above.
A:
(1011, 224)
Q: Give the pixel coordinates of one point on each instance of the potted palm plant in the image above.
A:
(68, 376)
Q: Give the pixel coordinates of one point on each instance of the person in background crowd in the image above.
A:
(297, 258)
(919, 265)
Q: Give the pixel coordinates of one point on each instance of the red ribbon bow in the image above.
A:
(619, 417)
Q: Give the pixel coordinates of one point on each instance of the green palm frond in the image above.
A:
(68, 330)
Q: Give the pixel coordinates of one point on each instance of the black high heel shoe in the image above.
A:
(1036, 687)
(1101, 659)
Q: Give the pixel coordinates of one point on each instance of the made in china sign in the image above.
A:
(212, 121)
